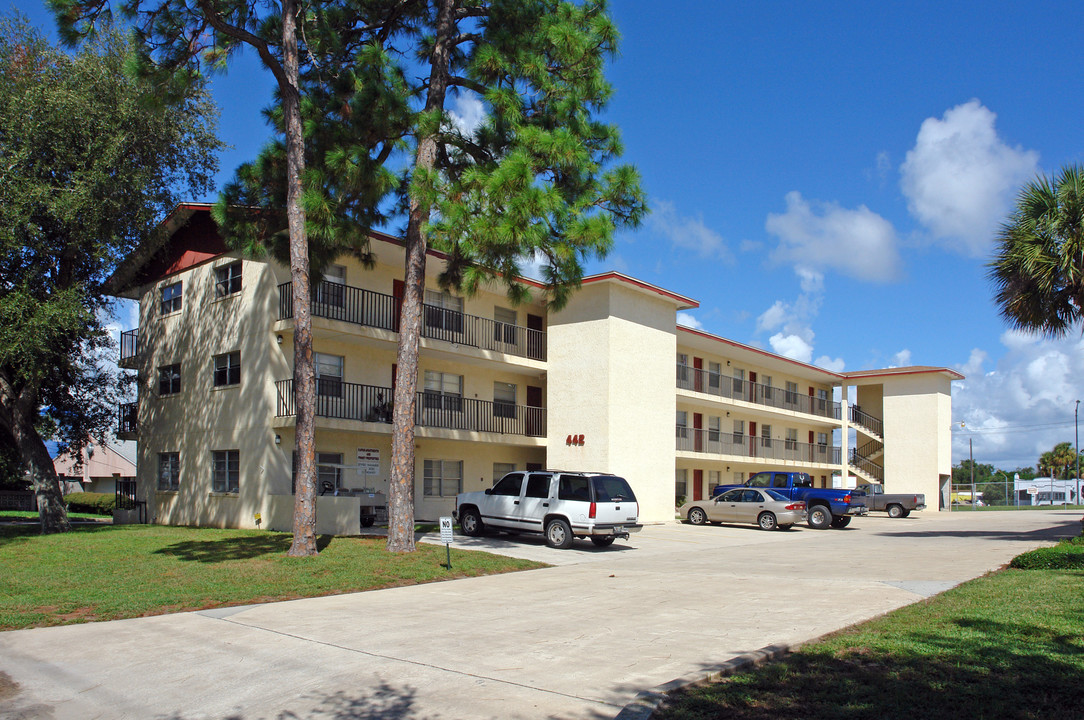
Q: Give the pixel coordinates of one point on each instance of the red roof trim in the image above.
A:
(893, 372)
(758, 351)
(613, 275)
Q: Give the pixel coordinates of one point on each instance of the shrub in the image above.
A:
(1066, 555)
(97, 503)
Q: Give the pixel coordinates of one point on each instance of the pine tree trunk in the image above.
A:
(401, 484)
(304, 543)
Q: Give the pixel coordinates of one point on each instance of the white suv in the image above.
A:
(562, 505)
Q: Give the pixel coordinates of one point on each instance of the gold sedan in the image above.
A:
(759, 506)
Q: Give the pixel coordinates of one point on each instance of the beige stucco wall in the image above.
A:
(611, 379)
(917, 426)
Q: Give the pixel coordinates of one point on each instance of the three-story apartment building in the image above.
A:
(609, 383)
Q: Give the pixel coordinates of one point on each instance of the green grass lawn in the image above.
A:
(18, 515)
(108, 572)
(1007, 645)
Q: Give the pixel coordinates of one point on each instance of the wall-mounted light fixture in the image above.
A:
(278, 439)
(728, 363)
(278, 339)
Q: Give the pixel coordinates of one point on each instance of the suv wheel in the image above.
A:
(471, 523)
(558, 533)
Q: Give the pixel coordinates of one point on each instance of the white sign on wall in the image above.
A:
(368, 461)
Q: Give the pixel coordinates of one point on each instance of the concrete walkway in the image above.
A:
(578, 640)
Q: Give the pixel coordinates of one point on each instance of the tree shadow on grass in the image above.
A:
(235, 548)
(968, 675)
(24, 532)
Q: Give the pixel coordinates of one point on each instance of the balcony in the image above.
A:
(368, 403)
(724, 386)
(128, 426)
(377, 310)
(715, 442)
(129, 348)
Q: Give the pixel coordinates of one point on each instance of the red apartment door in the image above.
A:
(397, 291)
(698, 374)
(535, 425)
(752, 439)
(752, 388)
(536, 341)
(698, 484)
(698, 433)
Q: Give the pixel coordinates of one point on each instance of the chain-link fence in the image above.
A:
(1008, 495)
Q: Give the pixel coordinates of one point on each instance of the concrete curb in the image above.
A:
(648, 701)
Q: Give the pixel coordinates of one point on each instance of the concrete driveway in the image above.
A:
(578, 640)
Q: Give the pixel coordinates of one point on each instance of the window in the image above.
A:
(682, 424)
(443, 391)
(681, 483)
(792, 438)
(739, 381)
(683, 368)
(792, 393)
(228, 279)
(329, 474)
(228, 369)
(766, 435)
(171, 298)
(227, 471)
(739, 478)
(761, 479)
(574, 487)
(502, 469)
(822, 439)
(504, 327)
(504, 400)
(331, 291)
(767, 387)
(714, 428)
(538, 485)
(715, 478)
(715, 375)
(443, 312)
(443, 478)
(169, 471)
(739, 432)
(329, 374)
(169, 379)
(781, 480)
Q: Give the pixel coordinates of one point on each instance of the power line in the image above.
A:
(1021, 428)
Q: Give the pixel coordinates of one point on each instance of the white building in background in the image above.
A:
(1047, 491)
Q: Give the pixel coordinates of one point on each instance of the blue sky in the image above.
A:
(826, 180)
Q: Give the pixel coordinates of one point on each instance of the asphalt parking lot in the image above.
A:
(577, 640)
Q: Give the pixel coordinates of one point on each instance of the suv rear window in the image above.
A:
(574, 487)
(610, 488)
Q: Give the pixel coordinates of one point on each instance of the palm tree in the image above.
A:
(1038, 269)
(1061, 458)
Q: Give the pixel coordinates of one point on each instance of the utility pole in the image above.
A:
(1076, 448)
(971, 453)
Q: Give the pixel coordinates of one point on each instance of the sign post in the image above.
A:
(446, 538)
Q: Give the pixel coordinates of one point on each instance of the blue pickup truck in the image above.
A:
(825, 506)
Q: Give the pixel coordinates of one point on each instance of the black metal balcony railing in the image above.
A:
(875, 471)
(369, 403)
(867, 421)
(720, 443)
(373, 309)
(129, 344)
(128, 418)
(712, 383)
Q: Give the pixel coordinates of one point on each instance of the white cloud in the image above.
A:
(960, 177)
(901, 359)
(467, 113)
(689, 233)
(687, 320)
(834, 365)
(859, 243)
(1022, 407)
(773, 317)
(793, 345)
